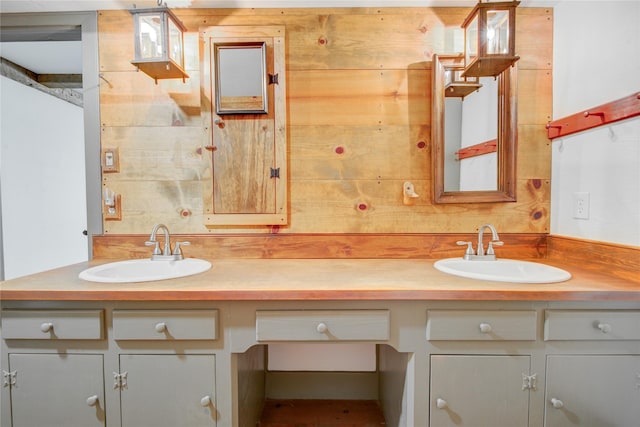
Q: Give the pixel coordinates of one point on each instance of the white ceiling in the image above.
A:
(45, 57)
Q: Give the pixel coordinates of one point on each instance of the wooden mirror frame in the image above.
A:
(507, 139)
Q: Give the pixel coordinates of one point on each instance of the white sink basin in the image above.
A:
(503, 270)
(144, 270)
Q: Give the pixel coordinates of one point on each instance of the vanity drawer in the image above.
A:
(322, 325)
(165, 325)
(53, 324)
(459, 325)
(592, 325)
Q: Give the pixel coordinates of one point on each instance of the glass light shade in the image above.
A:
(158, 43)
(497, 32)
(490, 38)
(471, 41)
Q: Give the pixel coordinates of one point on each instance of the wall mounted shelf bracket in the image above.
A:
(601, 115)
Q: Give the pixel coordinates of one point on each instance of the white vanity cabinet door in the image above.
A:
(479, 391)
(592, 391)
(167, 390)
(57, 390)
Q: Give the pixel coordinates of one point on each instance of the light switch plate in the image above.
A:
(110, 160)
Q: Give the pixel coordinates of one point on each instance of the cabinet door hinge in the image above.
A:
(275, 173)
(529, 382)
(8, 378)
(119, 381)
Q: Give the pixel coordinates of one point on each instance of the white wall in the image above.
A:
(42, 166)
(596, 60)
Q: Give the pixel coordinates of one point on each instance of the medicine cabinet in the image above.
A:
(243, 108)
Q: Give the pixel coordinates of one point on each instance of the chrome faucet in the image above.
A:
(489, 255)
(166, 253)
(494, 238)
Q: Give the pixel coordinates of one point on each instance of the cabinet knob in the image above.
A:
(557, 403)
(92, 400)
(322, 328)
(485, 328)
(604, 327)
(441, 403)
(205, 401)
(46, 327)
(161, 327)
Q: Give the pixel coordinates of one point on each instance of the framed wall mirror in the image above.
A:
(473, 135)
(240, 78)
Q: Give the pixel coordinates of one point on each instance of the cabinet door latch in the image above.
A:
(119, 381)
(275, 173)
(529, 382)
(8, 378)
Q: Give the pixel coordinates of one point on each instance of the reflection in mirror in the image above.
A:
(473, 136)
(470, 139)
(240, 78)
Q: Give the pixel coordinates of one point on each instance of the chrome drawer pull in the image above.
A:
(322, 328)
(605, 328)
(161, 327)
(441, 403)
(92, 400)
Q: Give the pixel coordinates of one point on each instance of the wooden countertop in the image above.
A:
(316, 279)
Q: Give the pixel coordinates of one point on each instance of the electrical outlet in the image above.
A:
(113, 212)
(581, 205)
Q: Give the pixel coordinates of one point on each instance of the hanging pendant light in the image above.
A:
(159, 42)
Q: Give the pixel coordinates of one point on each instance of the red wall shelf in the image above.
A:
(601, 115)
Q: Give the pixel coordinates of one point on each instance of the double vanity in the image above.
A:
(193, 350)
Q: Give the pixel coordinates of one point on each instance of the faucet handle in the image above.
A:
(156, 249)
(469, 250)
(491, 244)
(178, 250)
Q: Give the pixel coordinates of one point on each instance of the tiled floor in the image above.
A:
(321, 413)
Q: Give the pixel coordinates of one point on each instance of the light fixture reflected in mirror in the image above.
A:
(489, 33)
(455, 84)
(158, 43)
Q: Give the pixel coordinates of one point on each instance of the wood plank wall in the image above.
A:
(613, 259)
(323, 245)
(358, 79)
